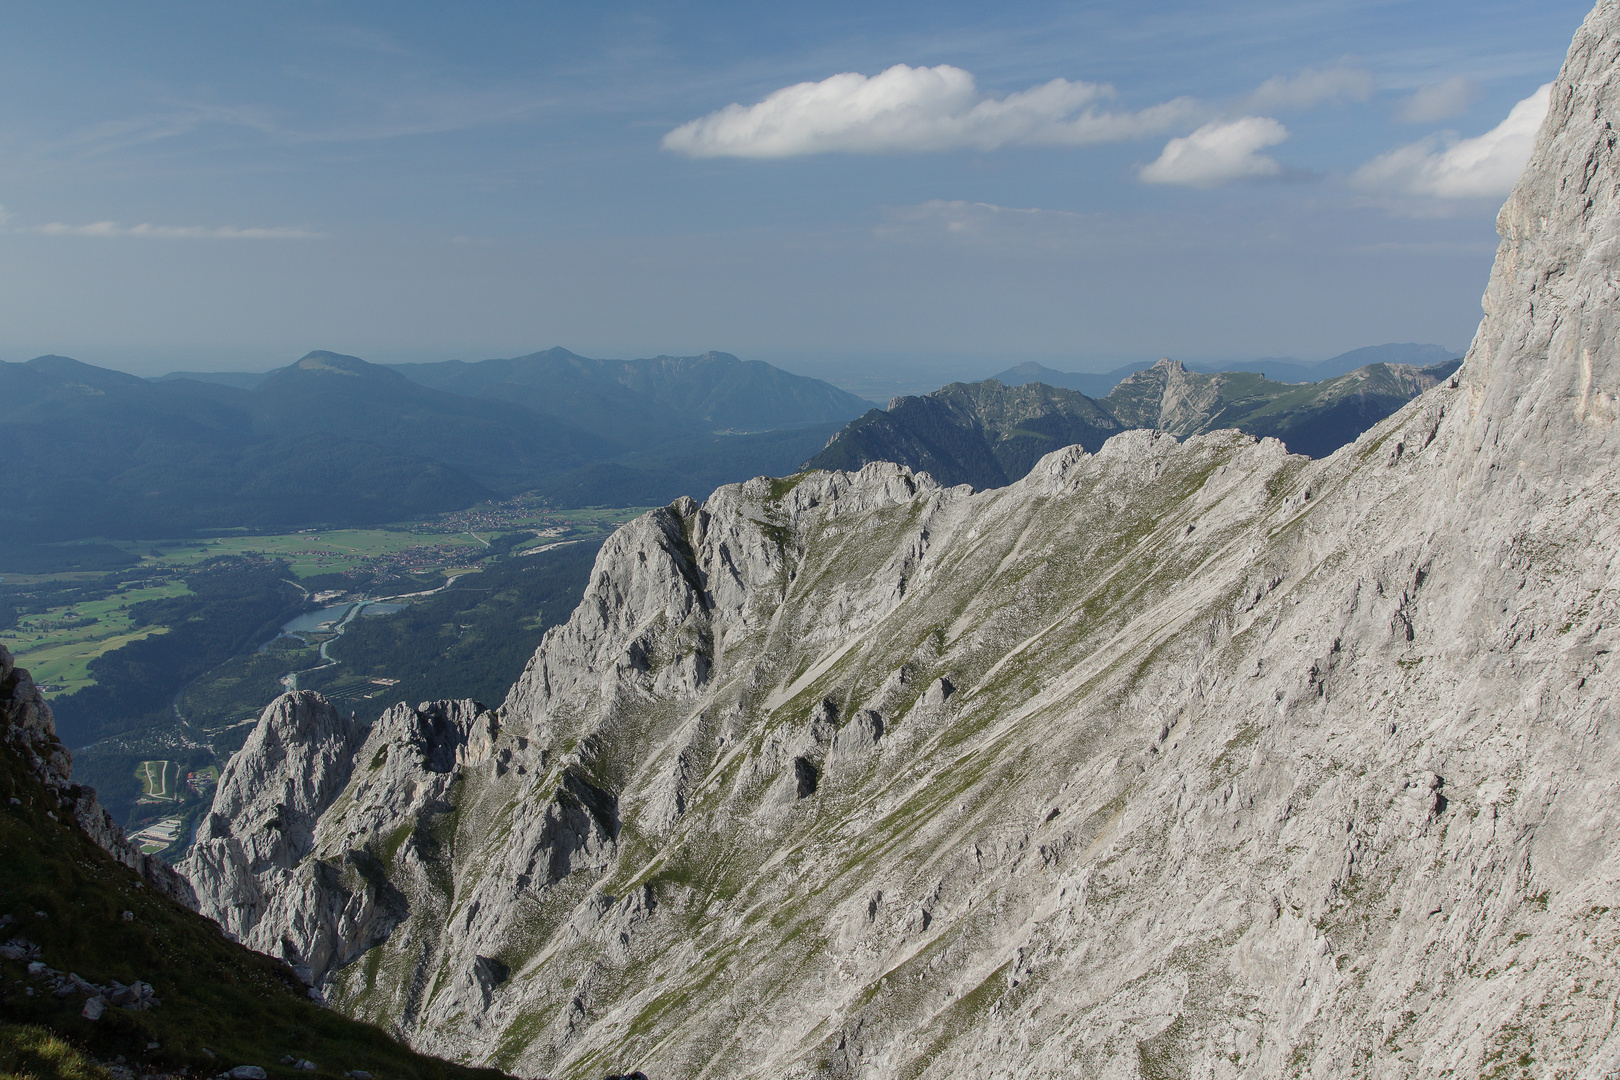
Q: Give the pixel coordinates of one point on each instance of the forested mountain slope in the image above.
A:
(1314, 419)
(1282, 369)
(332, 440)
(637, 404)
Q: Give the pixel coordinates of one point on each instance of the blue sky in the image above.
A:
(230, 185)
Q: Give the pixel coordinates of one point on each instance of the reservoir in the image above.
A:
(311, 621)
(333, 618)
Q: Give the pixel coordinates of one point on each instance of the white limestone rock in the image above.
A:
(1208, 760)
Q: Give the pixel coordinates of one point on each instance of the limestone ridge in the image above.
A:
(983, 433)
(1311, 418)
(26, 722)
(1176, 758)
(988, 435)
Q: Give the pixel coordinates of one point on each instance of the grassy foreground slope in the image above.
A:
(62, 903)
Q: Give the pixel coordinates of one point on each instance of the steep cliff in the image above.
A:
(1174, 759)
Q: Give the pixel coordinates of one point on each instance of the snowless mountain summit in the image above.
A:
(1176, 759)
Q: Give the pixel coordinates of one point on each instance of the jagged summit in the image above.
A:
(988, 434)
(1175, 758)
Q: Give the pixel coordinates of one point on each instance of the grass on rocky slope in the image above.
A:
(221, 1004)
(28, 1052)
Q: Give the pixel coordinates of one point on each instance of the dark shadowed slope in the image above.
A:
(637, 404)
(95, 452)
(984, 434)
(501, 444)
(334, 440)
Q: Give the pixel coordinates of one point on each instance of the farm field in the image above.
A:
(57, 645)
(405, 548)
(323, 552)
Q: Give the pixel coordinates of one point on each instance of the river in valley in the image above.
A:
(336, 619)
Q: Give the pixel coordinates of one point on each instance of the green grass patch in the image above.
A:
(31, 1052)
(57, 645)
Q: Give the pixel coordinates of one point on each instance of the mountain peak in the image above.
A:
(67, 369)
(336, 363)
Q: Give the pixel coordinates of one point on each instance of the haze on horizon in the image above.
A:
(919, 185)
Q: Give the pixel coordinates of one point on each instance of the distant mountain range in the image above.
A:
(1282, 369)
(989, 434)
(631, 403)
(334, 440)
(639, 403)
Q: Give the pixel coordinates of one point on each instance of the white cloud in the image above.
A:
(1477, 168)
(1439, 101)
(1219, 153)
(907, 109)
(1309, 88)
(174, 232)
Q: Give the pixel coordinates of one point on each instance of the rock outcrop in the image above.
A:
(988, 435)
(984, 434)
(1180, 758)
(26, 722)
(1314, 419)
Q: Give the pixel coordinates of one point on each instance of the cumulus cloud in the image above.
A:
(1447, 168)
(1310, 88)
(1439, 101)
(175, 232)
(1219, 153)
(907, 109)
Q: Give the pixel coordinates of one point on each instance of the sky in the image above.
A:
(840, 188)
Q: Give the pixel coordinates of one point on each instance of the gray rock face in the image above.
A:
(27, 724)
(248, 862)
(1176, 759)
